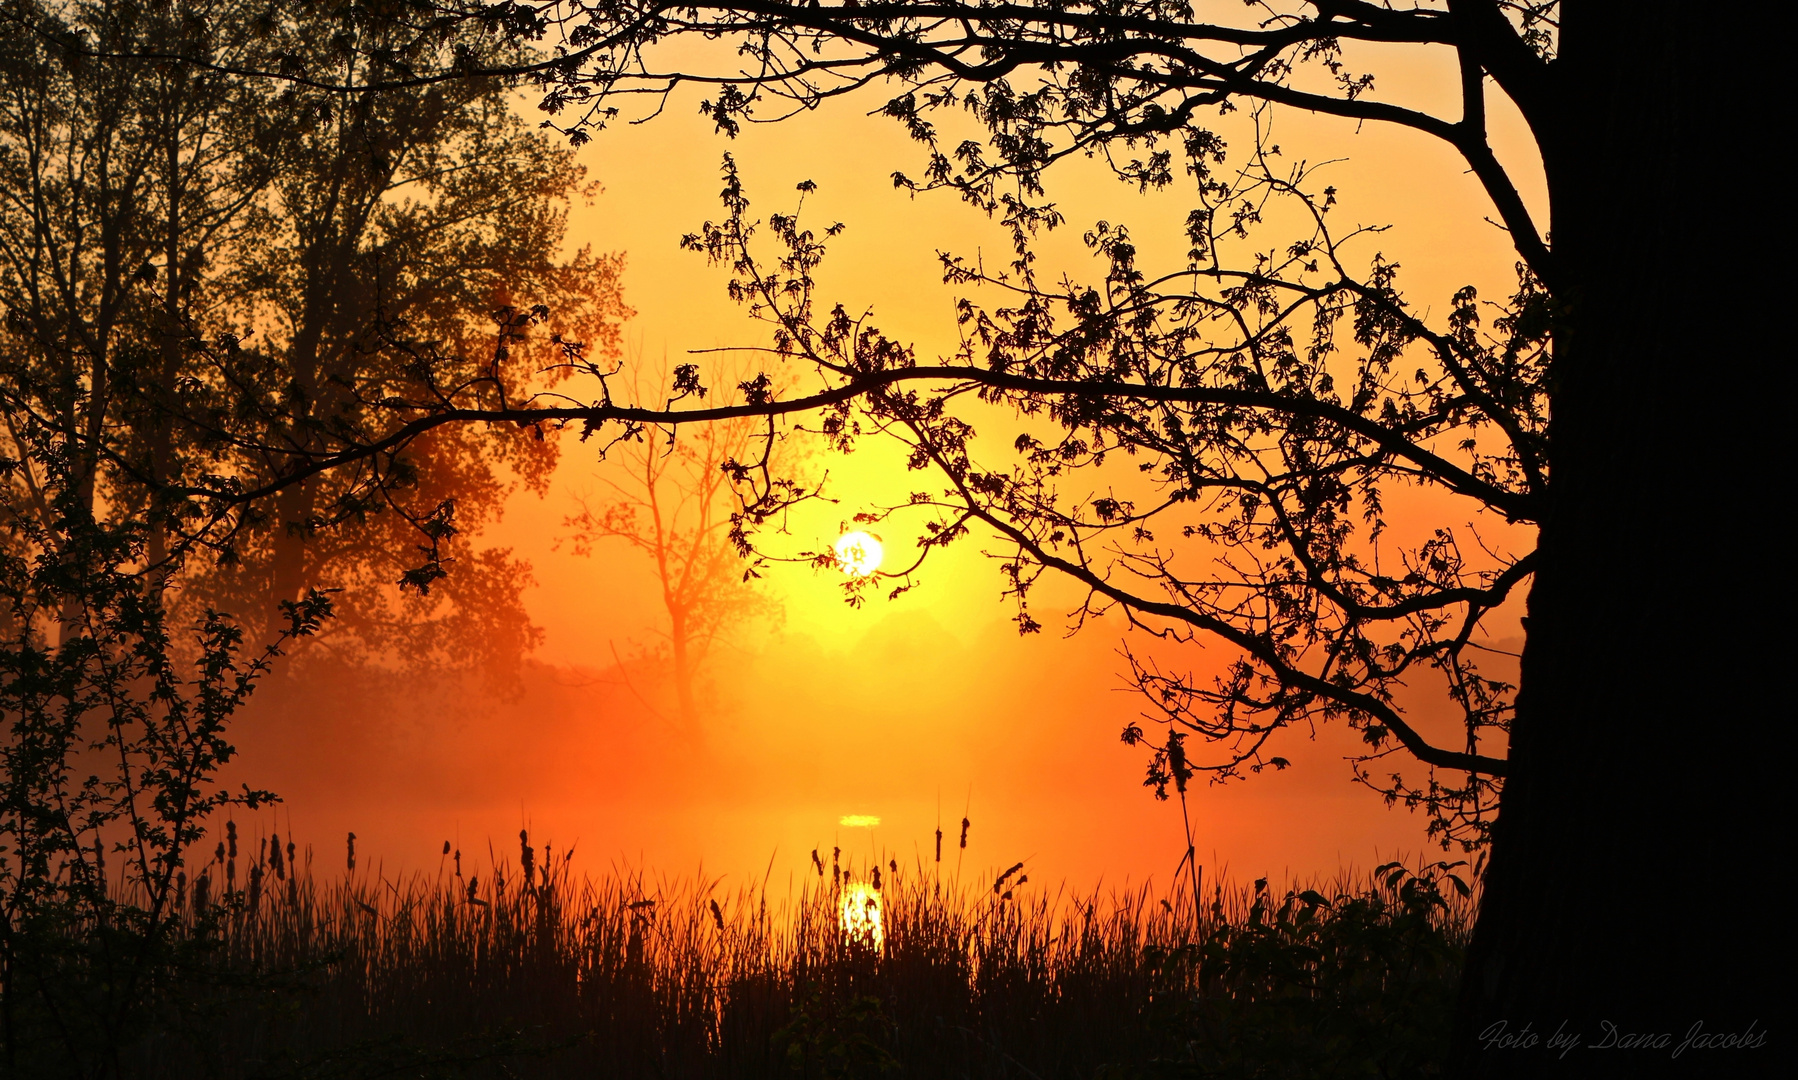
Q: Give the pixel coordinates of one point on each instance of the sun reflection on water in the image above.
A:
(861, 915)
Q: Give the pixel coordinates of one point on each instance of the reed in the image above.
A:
(528, 968)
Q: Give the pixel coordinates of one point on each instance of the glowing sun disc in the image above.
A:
(858, 554)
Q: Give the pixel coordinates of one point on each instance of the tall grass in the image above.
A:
(529, 969)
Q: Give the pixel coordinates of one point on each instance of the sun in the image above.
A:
(858, 554)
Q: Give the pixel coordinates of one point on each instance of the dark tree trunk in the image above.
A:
(1623, 888)
(295, 506)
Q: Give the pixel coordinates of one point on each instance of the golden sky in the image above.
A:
(911, 710)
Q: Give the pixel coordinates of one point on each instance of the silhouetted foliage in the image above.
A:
(1268, 412)
(211, 282)
(114, 736)
(236, 276)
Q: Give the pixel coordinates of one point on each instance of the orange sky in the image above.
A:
(908, 710)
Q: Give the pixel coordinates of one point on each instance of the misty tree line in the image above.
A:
(1272, 391)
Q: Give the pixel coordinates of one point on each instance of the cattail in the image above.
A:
(836, 875)
(255, 887)
(275, 861)
(877, 876)
(1176, 760)
(458, 862)
(525, 856)
(817, 862)
(293, 890)
(352, 843)
(231, 875)
(717, 915)
(964, 831)
(180, 888)
(290, 852)
(219, 854)
(231, 837)
(202, 893)
(939, 845)
(893, 865)
(446, 847)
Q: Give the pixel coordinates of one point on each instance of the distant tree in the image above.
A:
(674, 501)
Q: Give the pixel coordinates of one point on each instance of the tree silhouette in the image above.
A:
(675, 503)
(195, 263)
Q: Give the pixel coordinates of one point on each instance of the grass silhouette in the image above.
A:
(530, 969)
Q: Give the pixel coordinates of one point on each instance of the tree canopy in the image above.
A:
(212, 279)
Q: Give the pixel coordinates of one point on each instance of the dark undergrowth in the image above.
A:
(532, 971)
